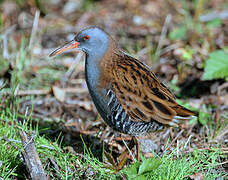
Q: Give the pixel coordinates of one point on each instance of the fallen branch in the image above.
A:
(31, 158)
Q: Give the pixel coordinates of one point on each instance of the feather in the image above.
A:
(142, 96)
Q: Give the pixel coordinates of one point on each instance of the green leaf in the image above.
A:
(187, 53)
(216, 66)
(225, 48)
(214, 23)
(203, 118)
(4, 66)
(149, 165)
(132, 171)
(140, 177)
(178, 33)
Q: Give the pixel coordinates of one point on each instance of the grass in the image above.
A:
(168, 166)
(70, 165)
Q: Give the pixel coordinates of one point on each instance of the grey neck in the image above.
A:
(93, 59)
(92, 73)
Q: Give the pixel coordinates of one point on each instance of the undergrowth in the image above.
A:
(86, 166)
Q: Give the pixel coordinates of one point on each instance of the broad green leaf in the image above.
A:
(132, 171)
(178, 33)
(149, 165)
(216, 66)
(140, 177)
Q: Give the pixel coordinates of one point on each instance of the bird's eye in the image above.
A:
(86, 37)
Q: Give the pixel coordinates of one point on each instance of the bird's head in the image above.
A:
(92, 41)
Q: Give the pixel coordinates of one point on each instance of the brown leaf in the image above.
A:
(59, 93)
(197, 176)
(110, 159)
(122, 163)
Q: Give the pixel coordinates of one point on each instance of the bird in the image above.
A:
(126, 93)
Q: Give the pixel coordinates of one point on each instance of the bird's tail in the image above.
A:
(183, 114)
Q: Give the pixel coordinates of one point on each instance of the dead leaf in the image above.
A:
(59, 93)
(110, 159)
(197, 176)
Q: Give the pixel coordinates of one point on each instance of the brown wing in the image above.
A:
(141, 94)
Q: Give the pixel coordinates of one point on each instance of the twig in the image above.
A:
(218, 110)
(10, 142)
(128, 138)
(213, 15)
(75, 90)
(34, 28)
(71, 150)
(174, 140)
(56, 167)
(29, 92)
(220, 88)
(209, 149)
(221, 134)
(169, 48)
(178, 148)
(54, 164)
(16, 90)
(189, 138)
(83, 20)
(5, 47)
(70, 71)
(66, 168)
(219, 164)
(142, 52)
(31, 157)
(4, 37)
(133, 157)
(43, 91)
(163, 34)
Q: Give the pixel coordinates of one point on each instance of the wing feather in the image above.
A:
(141, 94)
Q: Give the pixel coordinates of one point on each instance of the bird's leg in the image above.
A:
(131, 144)
(137, 148)
(126, 151)
(124, 155)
